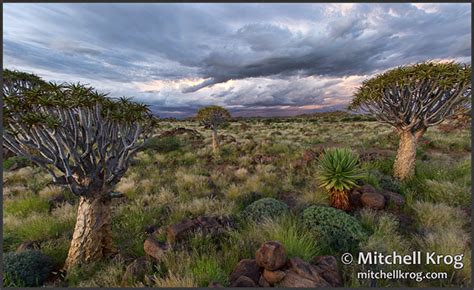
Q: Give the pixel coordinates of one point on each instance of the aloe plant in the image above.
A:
(338, 173)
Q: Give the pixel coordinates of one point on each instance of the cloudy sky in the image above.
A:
(254, 59)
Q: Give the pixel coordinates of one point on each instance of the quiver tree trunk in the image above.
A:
(92, 238)
(404, 166)
(215, 141)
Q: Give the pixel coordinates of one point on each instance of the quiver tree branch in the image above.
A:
(413, 98)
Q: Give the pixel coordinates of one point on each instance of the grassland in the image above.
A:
(176, 178)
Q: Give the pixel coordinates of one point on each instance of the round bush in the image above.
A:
(265, 208)
(27, 268)
(339, 230)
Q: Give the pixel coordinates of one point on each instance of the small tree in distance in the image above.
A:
(84, 140)
(212, 117)
(412, 98)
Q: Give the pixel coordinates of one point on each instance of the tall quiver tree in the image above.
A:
(84, 140)
(412, 98)
(212, 117)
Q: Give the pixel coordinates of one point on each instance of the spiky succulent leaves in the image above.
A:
(338, 173)
(339, 169)
(84, 139)
(212, 116)
(414, 97)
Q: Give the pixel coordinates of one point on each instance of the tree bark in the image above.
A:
(92, 238)
(404, 166)
(215, 141)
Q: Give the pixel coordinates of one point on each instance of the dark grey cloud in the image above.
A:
(179, 57)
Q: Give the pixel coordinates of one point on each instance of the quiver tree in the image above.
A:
(84, 140)
(211, 118)
(413, 98)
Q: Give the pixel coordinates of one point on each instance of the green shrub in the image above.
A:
(19, 161)
(265, 208)
(163, 144)
(339, 230)
(28, 268)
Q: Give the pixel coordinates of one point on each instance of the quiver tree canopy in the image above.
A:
(212, 116)
(84, 139)
(413, 98)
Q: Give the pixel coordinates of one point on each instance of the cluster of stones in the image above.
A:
(369, 197)
(155, 249)
(272, 268)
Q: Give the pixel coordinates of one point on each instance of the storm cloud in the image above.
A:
(255, 59)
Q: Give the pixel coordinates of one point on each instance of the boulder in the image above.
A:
(273, 277)
(326, 266)
(373, 200)
(310, 155)
(302, 274)
(155, 248)
(243, 281)
(367, 188)
(354, 199)
(136, 271)
(393, 199)
(248, 268)
(271, 256)
(263, 282)
(180, 230)
(208, 225)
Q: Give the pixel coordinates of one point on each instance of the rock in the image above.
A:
(393, 199)
(155, 248)
(227, 139)
(179, 231)
(263, 282)
(243, 281)
(193, 134)
(213, 226)
(136, 271)
(302, 274)
(28, 245)
(215, 284)
(273, 277)
(373, 200)
(276, 133)
(310, 155)
(151, 229)
(293, 280)
(327, 268)
(354, 199)
(263, 159)
(367, 188)
(271, 256)
(248, 268)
